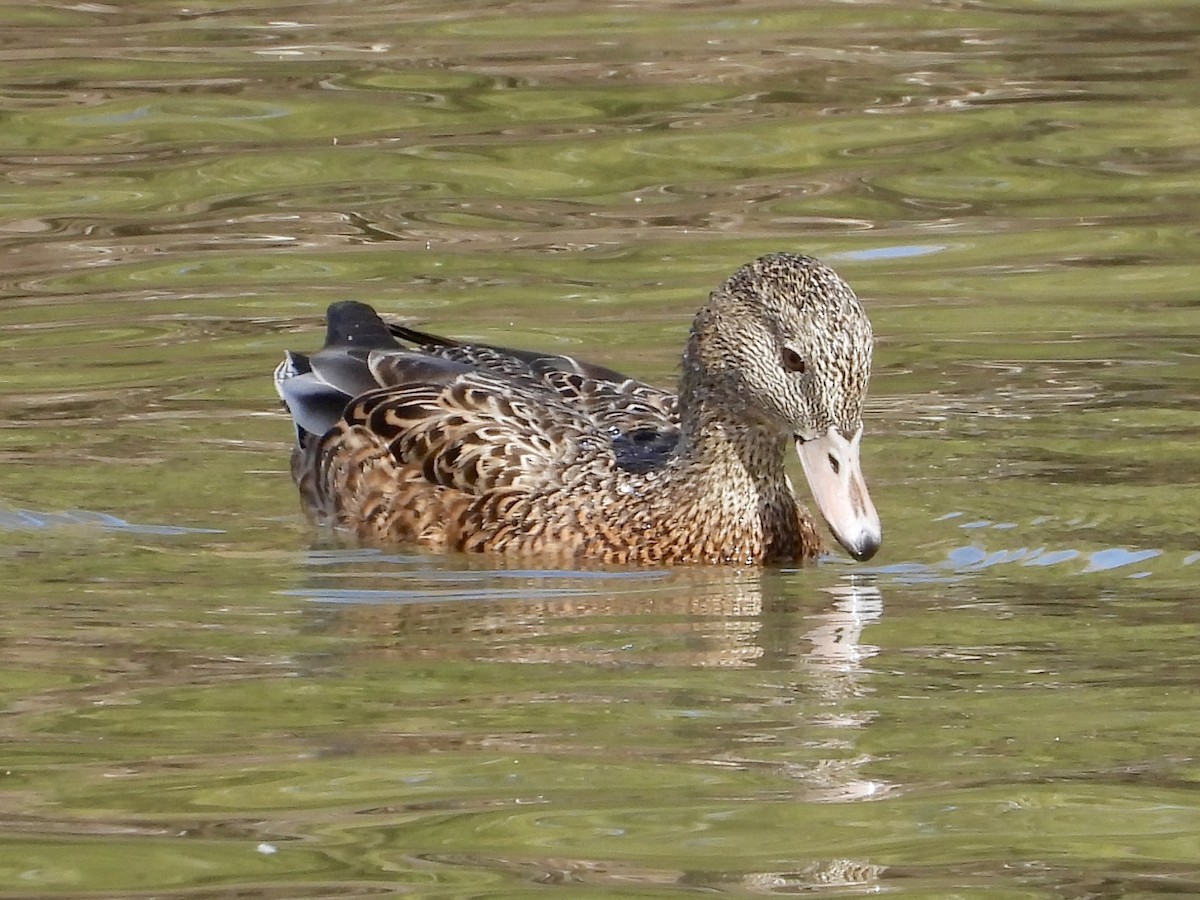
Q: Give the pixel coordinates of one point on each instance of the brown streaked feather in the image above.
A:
(614, 399)
(469, 434)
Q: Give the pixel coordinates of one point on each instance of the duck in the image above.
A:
(405, 437)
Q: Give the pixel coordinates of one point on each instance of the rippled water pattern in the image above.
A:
(204, 699)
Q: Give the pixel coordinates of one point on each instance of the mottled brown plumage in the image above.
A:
(407, 437)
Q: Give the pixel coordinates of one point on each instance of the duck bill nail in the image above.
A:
(831, 465)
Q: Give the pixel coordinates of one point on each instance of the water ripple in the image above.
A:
(34, 520)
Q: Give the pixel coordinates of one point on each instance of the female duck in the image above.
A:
(402, 436)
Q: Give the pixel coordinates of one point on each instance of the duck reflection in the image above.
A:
(673, 617)
(750, 686)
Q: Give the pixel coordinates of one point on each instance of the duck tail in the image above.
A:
(317, 388)
(351, 325)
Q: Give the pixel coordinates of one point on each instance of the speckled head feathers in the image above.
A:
(787, 338)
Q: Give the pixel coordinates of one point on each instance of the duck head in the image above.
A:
(786, 345)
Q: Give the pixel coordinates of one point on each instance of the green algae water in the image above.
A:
(202, 698)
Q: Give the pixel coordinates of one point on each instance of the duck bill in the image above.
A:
(834, 474)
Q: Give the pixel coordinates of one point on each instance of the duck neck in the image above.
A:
(731, 458)
(729, 496)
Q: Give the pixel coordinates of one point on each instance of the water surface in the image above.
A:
(204, 698)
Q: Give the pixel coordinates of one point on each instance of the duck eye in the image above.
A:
(793, 361)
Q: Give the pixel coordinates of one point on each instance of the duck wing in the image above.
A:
(472, 417)
(642, 421)
(469, 430)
